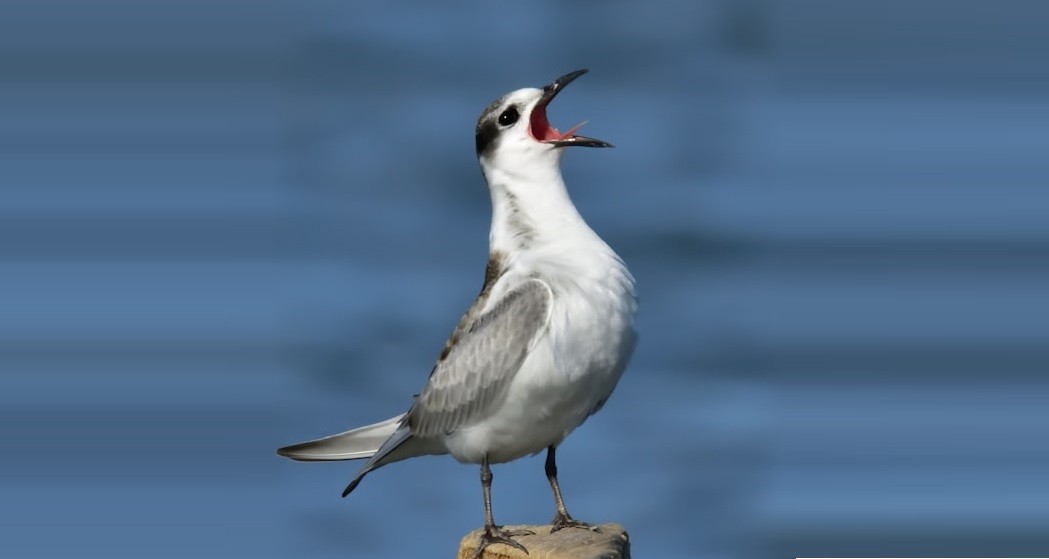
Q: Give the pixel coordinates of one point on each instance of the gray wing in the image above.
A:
(477, 369)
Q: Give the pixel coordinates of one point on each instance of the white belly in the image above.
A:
(566, 377)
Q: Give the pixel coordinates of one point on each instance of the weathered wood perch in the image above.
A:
(571, 543)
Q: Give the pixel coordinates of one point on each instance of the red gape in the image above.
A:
(540, 129)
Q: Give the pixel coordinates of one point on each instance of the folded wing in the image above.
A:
(475, 373)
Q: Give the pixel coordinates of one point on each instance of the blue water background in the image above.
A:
(229, 225)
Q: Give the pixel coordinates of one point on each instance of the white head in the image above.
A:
(520, 155)
(514, 136)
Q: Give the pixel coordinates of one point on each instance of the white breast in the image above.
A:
(572, 370)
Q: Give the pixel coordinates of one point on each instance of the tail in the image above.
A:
(362, 442)
(384, 442)
(385, 454)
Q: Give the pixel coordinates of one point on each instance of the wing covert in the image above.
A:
(477, 369)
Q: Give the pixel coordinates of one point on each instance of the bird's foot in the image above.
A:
(497, 534)
(562, 521)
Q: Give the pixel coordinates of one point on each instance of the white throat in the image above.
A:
(531, 209)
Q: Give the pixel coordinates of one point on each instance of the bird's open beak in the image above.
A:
(540, 127)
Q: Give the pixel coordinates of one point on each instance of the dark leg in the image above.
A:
(562, 519)
(492, 533)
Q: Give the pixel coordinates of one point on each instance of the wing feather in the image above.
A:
(475, 372)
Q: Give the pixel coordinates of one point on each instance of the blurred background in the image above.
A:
(230, 225)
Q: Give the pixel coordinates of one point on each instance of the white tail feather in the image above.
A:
(361, 442)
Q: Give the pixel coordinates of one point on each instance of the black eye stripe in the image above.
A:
(486, 135)
(509, 116)
(492, 124)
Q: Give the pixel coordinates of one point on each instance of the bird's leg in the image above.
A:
(562, 519)
(492, 533)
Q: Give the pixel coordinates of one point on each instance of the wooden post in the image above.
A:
(570, 543)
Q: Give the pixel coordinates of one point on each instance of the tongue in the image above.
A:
(571, 131)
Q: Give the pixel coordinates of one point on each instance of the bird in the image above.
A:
(545, 342)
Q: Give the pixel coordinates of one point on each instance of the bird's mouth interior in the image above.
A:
(540, 129)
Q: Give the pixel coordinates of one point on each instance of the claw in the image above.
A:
(496, 534)
(561, 522)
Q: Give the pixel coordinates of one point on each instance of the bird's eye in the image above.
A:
(508, 117)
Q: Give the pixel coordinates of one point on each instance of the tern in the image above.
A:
(544, 344)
